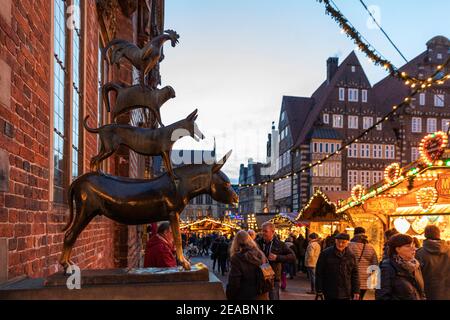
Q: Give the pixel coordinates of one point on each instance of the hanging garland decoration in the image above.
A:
(432, 147)
(392, 172)
(427, 198)
(436, 78)
(376, 57)
(358, 192)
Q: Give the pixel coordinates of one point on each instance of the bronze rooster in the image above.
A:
(144, 59)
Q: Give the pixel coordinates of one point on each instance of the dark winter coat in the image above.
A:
(399, 284)
(434, 258)
(242, 279)
(283, 253)
(222, 250)
(159, 253)
(300, 245)
(337, 274)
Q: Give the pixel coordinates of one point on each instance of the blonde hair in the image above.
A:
(242, 240)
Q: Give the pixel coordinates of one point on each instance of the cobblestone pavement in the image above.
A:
(295, 290)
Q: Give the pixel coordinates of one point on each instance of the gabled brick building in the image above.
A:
(50, 69)
(341, 108)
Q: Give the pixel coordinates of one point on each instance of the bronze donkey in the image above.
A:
(135, 201)
(149, 142)
(144, 59)
(133, 97)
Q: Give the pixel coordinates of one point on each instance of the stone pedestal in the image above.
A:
(123, 284)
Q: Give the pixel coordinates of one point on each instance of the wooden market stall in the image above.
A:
(209, 226)
(319, 215)
(285, 225)
(407, 198)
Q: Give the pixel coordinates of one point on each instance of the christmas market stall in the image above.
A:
(285, 225)
(209, 226)
(408, 198)
(319, 215)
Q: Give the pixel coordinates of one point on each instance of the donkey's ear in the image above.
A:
(192, 115)
(218, 165)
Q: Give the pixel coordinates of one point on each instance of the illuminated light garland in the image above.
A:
(358, 192)
(427, 198)
(373, 55)
(316, 194)
(437, 78)
(392, 172)
(432, 147)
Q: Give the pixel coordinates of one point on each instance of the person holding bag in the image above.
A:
(251, 276)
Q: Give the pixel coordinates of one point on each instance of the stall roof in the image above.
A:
(207, 224)
(320, 209)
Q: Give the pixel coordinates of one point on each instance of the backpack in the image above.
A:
(265, 278)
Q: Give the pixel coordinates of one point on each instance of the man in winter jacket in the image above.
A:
(159, 252)
(365, 257)
(311, 257)
(337, 275)
(434, 258)
(277, 252)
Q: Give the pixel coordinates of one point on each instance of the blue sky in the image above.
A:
(237, 58)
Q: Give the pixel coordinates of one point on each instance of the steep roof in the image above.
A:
(320, 96)
(324, 133)
(297, 109)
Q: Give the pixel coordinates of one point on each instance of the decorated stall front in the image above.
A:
(209, 226)
(320, 216)
(408, 198)
(286, 225)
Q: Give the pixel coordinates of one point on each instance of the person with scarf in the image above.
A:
(246, 258)
(401, 276)
(160, 251)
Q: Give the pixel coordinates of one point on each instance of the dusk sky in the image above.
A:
(237, 58)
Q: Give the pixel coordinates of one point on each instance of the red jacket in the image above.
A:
(159, 253)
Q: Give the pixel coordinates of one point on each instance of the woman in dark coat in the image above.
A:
(222, 255)
(401, 277)
(246, 258)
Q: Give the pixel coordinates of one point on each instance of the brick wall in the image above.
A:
(28, 220)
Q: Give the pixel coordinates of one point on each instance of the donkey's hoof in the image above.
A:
(186, 264)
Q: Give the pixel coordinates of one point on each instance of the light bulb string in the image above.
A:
(345, 146)
(374, 55)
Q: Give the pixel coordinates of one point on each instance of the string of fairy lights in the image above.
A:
(363, 45)
(417, 85)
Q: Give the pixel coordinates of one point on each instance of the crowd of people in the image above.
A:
(338, 268)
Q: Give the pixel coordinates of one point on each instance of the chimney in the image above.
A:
(332, 66)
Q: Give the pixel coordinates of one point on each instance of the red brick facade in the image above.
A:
(30, 221)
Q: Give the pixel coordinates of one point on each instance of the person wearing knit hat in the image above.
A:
(337, 271)
(401, 276)
(434, 258)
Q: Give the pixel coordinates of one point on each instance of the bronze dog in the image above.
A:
(133, 97)
(149, 142)
(136, 201)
